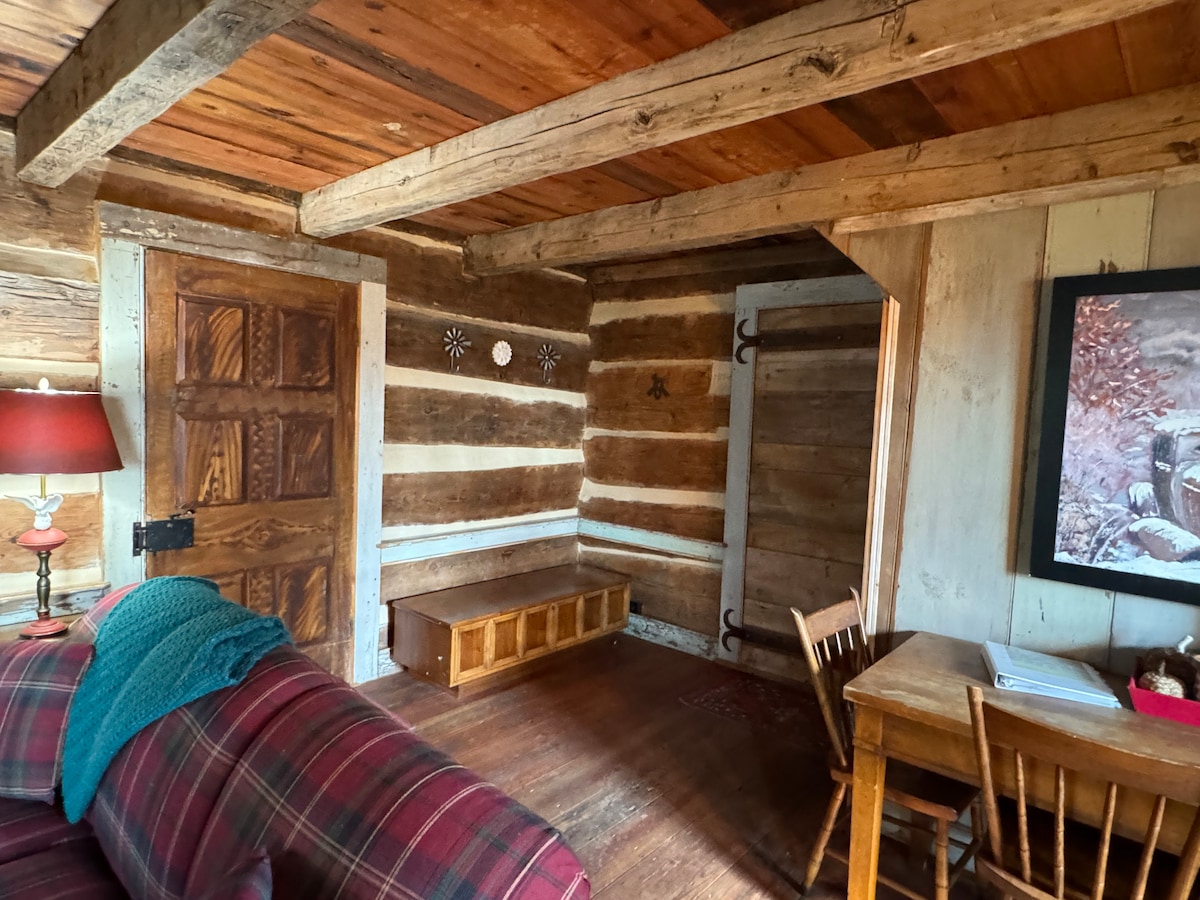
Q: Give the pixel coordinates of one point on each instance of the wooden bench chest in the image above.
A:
(455, 636)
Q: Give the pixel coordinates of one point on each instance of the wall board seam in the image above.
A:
(403, 376)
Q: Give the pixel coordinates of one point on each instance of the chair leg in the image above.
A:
(941, 873)
(818, 850)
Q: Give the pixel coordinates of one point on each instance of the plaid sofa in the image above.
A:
(341, 796)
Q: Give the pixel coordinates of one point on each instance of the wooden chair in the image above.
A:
(836, 650)
(1036, 749)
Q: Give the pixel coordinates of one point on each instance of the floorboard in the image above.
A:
(663, 776)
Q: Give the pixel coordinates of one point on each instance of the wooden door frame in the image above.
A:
(126, 234)
(751, 299)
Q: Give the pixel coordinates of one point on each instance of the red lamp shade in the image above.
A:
(54, 433)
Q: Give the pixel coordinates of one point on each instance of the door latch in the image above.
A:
(175, 533)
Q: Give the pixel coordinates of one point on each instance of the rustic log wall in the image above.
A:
(49, 327)
(657, 433)
(482, 465)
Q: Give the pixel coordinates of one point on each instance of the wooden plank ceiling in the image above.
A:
(357, 82)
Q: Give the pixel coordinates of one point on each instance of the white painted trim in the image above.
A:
(400, 376)
(667, 635)
(580, 338)
(880, 448)
(393, 534)
(721, 434)
(594, 490)
(416, 459)
(484, 538)
(122, 382)
(252, 248)
(606, 311)
(752, 298)
(368, 516)
(651, 540)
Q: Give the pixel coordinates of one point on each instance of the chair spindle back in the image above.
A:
(836, 648)
(1036, 750)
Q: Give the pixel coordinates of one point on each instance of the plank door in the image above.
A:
(816, 370)
(250, 421)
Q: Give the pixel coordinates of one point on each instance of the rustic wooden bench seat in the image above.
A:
(461, 634)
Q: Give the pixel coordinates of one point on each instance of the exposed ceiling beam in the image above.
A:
(139, 59)
(1125, 145)
(825, 50)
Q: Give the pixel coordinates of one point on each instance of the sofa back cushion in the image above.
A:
(348, 802)
(156, 797)
(38, 682)
(86, 626)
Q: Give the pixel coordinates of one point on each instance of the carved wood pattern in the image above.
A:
(306, 349)
(305, 457)
(302, 592)
(262, 458)
(212, 462)
(245, 431)
(212, 349)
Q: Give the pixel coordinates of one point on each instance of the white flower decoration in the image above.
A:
(502, 353)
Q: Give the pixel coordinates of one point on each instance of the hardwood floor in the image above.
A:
(618, 745)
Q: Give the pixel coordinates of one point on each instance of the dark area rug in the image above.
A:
(788, 711)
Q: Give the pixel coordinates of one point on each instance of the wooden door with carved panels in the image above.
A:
(250, 421)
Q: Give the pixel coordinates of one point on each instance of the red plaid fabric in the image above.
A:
(72, 871)
(157, 795)
(85, 627)
(38, 681)
(249, 881)
(350, 804)
(30, 826)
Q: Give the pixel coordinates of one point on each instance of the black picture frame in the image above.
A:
(1117, 419)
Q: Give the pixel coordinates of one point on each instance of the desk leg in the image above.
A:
(866, 802)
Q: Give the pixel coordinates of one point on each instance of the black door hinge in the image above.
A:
(175, 533)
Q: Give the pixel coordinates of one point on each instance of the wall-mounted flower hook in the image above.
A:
(455, 344)
(547, 358)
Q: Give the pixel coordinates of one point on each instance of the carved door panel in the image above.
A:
(815, 378)
(250, 421)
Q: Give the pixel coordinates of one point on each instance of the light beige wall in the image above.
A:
(977, 367)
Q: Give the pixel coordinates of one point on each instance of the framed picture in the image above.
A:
(1117, 498)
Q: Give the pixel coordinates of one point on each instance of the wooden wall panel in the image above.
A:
(619, 399)
(426, 416)
(825, 264)
(441, 497)
(44, 218)
(806, 583)
(697, 336)
(682, 592)
(696, 465)
(702, 523)
(414, 341)
(411, 578)
(49, 318)
(79, 517)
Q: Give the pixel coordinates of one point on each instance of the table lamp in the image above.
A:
(47, 432)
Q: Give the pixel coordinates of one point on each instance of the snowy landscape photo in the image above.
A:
(1128, 406)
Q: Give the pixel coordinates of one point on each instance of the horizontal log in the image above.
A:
(1136, 144)
(837, 418)
(427, 416)
(619, 399)
(79, 516)
(46, 218)
(737, 261)
(819, 52)
(830, 264)
(440, 497)
(671, 590)
(664, 463)
(416, 341)
(49, 318)
(816, 458)
(411, 578)
(696, 336)
(431, 277)
(777, 581)
(699, 522)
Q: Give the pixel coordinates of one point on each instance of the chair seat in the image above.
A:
(919, 790)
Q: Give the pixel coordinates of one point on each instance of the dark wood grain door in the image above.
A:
(810, 459)
(250, 421)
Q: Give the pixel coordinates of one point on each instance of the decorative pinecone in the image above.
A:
(1162, 683)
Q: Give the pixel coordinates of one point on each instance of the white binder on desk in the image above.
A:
(1030, 672)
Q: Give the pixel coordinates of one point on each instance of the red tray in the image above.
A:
(1164, 707)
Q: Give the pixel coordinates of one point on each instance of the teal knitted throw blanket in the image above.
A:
(167, 642)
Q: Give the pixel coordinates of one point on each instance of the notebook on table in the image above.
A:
(1030, 672)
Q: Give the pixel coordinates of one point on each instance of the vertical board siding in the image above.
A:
(968, 429)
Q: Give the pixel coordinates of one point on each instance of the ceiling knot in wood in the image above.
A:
(1187, 151)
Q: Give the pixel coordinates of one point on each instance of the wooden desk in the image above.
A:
(912, 706)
